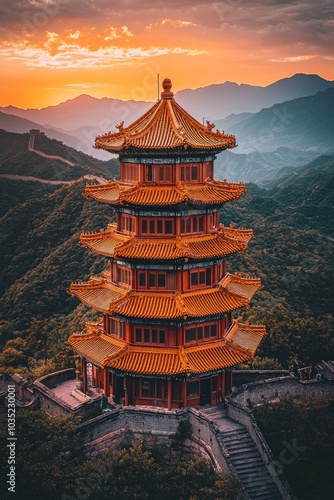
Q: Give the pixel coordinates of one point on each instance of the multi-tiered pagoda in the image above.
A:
(166, 335)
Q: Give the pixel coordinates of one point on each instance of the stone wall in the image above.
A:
(241, 377)
(53, 379)
(275, 388)
(56, 407)
(155, 426)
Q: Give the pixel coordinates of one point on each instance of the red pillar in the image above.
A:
(126, 396)
(127, 333)
(184, 394)
(84, 376)
(106, 382)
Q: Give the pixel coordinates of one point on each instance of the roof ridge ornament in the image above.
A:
(167, 85)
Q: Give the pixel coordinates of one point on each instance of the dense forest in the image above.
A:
(300, 434)
(292, 253)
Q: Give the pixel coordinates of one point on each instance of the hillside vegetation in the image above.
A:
(16, 159)
(292, 252)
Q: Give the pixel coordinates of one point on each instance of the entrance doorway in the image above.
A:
(119, 392)
(205, 392)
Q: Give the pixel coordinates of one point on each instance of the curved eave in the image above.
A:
(238, 346)
(242, 286)
(104, 297)
(113, 245)
(211, 193)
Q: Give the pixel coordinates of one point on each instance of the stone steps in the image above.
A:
(249, 466)
(244, 456)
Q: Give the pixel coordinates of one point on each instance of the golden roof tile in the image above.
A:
(104, 242)
(166, 126)
(237, 347)
(95, 347)
(207, 193)
(108, 298)
(246, 336)
(113, 244)
(97, 293)
(243, 286)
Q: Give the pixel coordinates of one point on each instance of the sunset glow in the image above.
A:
(54, 50)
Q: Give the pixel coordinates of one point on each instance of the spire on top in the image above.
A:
(167, 85)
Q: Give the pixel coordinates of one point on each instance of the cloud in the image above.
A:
(293, 58)
(113, 33)
(75, 56)
(270, 24)
(87, 85)
(176, 23)
(74, 35)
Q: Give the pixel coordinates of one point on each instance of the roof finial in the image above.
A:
(167, 85)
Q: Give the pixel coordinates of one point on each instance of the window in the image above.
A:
(200, 277)
(128, 223)
(198, 333)
(142, 279)
(151, 280)
(192, 389)
(189, 173)
(148, 335)
(150, 388)
(116, 327)
(123, 275)
(149, 173)
(157, 226)
(193, 224)
(161, 280)
(155, 280)
(168, 226)
(129, 172)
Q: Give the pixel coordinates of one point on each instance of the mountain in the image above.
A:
(260, 167)
(13, 123)
(310, 191)
(50, 159)
(84, 111)
(218, 101)
(211, 102)
(306, 123)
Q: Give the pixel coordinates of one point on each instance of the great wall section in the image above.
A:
(226, 434)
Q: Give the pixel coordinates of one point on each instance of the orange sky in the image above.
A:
(54, 50)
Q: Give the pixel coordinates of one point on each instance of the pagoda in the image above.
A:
(166, 336)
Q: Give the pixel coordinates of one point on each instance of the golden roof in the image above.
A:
(166, 126)
(107, 298)
(109, 242)
(97, 293)
(104, 350)
(206, 193)
(243, 286)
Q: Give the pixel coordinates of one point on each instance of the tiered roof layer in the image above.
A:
(210, 193)
(106, 297)
(224, 241)
(238, 346)
(168, 127)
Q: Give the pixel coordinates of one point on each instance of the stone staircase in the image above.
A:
(244, 456)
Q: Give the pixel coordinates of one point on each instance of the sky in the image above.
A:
(55, 50)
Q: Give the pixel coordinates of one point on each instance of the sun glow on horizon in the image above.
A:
(52, 50)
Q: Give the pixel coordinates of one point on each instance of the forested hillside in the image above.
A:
(292, 252)
(16, 159)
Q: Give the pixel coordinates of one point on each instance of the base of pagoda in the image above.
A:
(170, 393)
